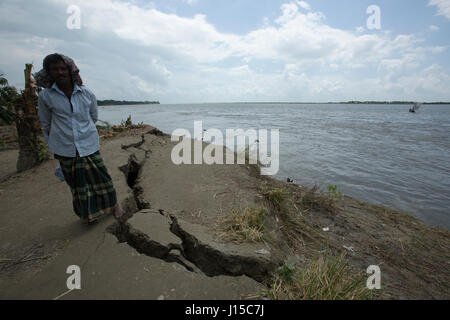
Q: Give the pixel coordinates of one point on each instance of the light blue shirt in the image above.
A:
(65, 130)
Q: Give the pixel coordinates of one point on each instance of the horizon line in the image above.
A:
(328, 102)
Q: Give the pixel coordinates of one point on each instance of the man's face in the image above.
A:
(59, 72)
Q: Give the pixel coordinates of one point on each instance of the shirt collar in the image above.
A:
(76, 88)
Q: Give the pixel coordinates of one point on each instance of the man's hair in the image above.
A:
(50, 59)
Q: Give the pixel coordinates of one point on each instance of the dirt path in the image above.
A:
(41, 237)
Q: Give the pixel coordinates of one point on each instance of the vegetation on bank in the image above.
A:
(123, 102)
(343, 102)
(327, 241)
(108, 131)
(244, 225)
(8, 96)
(323, 278)
(387, 102)
(327, 276)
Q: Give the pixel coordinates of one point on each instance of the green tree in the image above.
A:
(8, 95)
(3, 81)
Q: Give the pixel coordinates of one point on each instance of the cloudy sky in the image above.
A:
(188, 51)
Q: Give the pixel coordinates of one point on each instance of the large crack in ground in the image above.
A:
(132, 172)
(213, 262)
(145, 245)
(186, 250)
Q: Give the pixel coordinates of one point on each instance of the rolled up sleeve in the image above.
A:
(45, 116)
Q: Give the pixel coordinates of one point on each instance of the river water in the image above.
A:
(376, 153)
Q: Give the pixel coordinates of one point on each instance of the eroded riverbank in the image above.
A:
(172, 223)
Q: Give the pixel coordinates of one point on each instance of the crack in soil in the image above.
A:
(138, 146)
(132, 171)
(95, 251)
(192, 254)
(213, 262)
(142, 243)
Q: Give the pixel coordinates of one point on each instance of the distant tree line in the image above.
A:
(388, 102)
(343, 102)
(123, 102)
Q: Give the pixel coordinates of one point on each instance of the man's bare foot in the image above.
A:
(92, 221)
(118, 212)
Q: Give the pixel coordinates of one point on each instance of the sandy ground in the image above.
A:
(8, 162)
(40, 236)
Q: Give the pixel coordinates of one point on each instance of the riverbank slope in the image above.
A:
(172, 243)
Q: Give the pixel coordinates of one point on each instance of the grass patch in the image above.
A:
(295, 228)
(324, 278)
(242, 225)
(313, 199)
(276, 196)
(334, 192)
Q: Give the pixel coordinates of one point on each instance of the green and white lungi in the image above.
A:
(93, 192)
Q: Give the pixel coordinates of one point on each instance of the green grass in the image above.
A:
(325, 278)
(334, 192)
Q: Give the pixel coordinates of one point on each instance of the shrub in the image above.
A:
(334, 192)
(242, 225)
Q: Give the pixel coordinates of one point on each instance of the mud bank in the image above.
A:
(168, 238)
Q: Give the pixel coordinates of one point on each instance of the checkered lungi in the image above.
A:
(93, 192)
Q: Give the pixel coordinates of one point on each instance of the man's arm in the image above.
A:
(93, 110)
(45, 116)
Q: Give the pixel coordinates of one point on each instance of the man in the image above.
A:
(68, 112)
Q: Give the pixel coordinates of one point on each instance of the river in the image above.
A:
(376, 153)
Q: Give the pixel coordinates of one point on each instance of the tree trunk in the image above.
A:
(28, 125)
